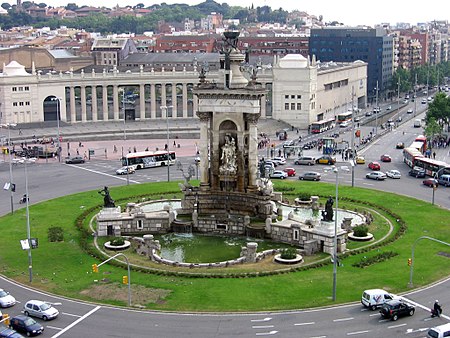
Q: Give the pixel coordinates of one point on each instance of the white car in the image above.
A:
(123, 170)
(393, 173)
(278, 160)
(6, 300)
(376, 175)
(40, 309)
(344, 124)
(279, 174)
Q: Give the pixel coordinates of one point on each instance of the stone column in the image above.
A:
(163, 95)
(174, 101)
(262, 103)
(73, 109)
(204, 137)
(252, 120)
(153, 102)
(83, 104)
(142, 102)
(105, 102)
(116, 102)
(185, 100)
(94, 103)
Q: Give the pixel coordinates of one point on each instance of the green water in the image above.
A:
(195, 248)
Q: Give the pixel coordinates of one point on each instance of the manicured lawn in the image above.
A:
(65, 268)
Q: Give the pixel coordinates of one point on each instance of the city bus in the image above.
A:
(410, 155)
(148, 159)
(342, 117)
(432, 167)
(321, 126)
(423, 139)
(420, 146)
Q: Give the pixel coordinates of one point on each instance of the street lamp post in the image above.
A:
(166, 110)
(353, 150)
(377, 110)
(11, 184)
(415, 97)
(27, 198)
(335, 249)
(124, 116)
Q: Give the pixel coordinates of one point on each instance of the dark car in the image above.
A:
(75, 160)
(28, 325)
(9, 333)
(417, 172)
(400, 145)
(396, 308)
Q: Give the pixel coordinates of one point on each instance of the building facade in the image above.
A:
(345, 44)
(29, 97)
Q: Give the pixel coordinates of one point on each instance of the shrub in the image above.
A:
(360, 231)
(117, 241)
(55, 234)
(288, 253)
(304, 196)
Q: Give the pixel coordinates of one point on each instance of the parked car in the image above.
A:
(388, 107)
(124, 170)
(289, 171)
(400, 145)
(360, 159)
(393, 173)
(40, 309)
(417, 172)
(396, 308)
(75, 160)
(430, 182)
(409, 111)
(344, 124)
(305, 160)
(374, 165)
(6, 300)
(424, 101)
(26, 324)
(385, 158)
(310, 176)
(279, 174)
(326, 159)
(278, 160)
(368, 113)
(444, 180)
(376, 175)
(275, 164)
(9, 333)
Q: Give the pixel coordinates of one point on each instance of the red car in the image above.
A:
(289, 171)
(430, 182)
(385, 158)
(374, 166)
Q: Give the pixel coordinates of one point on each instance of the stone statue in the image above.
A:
(108, 202)
(327, 214)
(228, 158)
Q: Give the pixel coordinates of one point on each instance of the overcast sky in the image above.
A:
(349, 12)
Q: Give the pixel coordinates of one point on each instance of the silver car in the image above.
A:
(40, 309)
(305, 160)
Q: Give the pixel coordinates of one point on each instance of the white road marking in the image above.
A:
(271, 333)
(300, 324)
(104, 174)
(262, 327)
(356, 332)
(396, 326)
(343, 319)
(76, 322)
(70, 314)
(261, 320)
(54, 327)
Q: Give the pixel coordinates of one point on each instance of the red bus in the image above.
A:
(423, 139)
(432, 166)
(321, 126)
(342, 117)
(410, 155)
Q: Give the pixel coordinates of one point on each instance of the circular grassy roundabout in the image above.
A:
(64, 267)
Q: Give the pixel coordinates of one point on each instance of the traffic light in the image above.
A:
(94, 268)
(124, 279)
(409, 261)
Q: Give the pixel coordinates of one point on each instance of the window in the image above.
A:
(27, 88)
(14, 89)
(296, 235)
(299, 106)
(140, 224)
(286, 96)
(286, 106)
(15, 104)
(292, 106)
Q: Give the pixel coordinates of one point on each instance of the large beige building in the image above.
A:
(299, 91)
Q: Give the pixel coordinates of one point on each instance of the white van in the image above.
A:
(375, 298)
(417, 123)
(440, 331)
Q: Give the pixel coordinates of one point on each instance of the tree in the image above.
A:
(6, 5)
(439, 109)
(72, 6)
(432, 128)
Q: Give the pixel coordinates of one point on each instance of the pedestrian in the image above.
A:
(115, 149)
(434, 155)
(134, 148)
(20, 131)
(174, 143)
